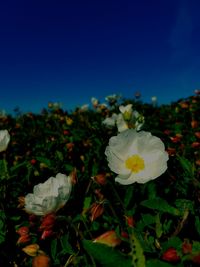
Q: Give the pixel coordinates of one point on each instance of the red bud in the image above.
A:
(48, 221)
(170, 255)
(23, 230)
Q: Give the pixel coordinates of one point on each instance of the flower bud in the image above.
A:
(195, 145)
(130, 221)
(170, 255)
(23, 230)
(23, 239)
(33, 161)
(197, 134)
(31, 250)
(21, 201)
(171, 151)
(48, 221)
(194, 124)
(186, 247)
(100, 179)
(47, 233)
(109, 238)
(73, 176)
(196, 258)
(41, 260)
(96, 210)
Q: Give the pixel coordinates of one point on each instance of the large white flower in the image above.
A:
(49, 196)
(4, 139)
(136, 156)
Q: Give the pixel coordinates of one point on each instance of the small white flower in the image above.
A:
(110, 121)
(101, 107)
(126, 111)
(154, 98)
(84, 107)
(94, 101)
(4, 139)
(135, 121)
(111, 99)
(138, 120)
(128, 118)
(49, 196)
(136, 156)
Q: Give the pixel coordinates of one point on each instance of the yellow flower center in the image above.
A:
(135, 163)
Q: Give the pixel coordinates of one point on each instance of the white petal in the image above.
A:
(4, 139)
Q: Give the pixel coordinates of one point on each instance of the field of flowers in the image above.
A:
(116, 184)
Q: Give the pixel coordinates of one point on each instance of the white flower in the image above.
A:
(84, 107)
(94, 101)
(127, 108)
(154, 98)
(135, 121)
(122, 125)
(4, 139)
(49, 196)
(110, 121)
(101, 107)
(112, 99)
(128, 118)
(126, 111)
(136, 156)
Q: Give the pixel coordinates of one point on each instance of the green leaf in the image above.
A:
(160, 205)
(105, 255)
(159, 263)
(54, 249)
(159, 230)
(186, 165)
(147, 220)
(197, 224)
(86, 204)
(67, 248)
(59, 155)
(3, 170)
(2, 226)
(95, 169)
(195, 247)
(17, 166)
(68, 168)
(151, 187)
(185, 204)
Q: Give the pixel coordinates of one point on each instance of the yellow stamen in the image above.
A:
(135, 163)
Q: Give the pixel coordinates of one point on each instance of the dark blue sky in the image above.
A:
(68, 51)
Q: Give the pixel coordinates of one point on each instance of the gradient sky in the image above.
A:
(71, 50)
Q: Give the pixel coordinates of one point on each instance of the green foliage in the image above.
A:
(105, 255)
(2, 226)
(159, 263)
(160, 204)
